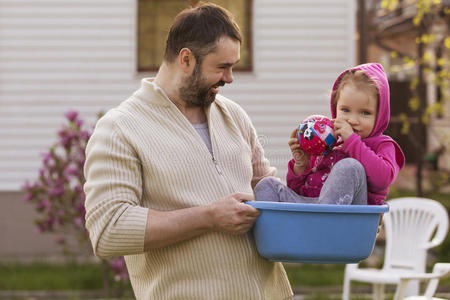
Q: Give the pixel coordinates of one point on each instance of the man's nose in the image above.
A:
(228, 76)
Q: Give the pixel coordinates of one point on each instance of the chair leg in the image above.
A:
(378, 291)
(346, 289)
(413, 288)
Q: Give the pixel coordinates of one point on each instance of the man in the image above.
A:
(168, 170)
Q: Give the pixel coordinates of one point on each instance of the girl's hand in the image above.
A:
(342, 128)
(301, 159)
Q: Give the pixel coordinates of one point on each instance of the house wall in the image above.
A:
(80, 55)
(19, 238)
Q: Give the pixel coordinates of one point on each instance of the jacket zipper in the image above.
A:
(219, 170)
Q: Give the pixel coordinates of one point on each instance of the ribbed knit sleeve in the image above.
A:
(114, 219)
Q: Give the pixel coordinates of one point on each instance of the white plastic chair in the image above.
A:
(440, 270)
(409, 227)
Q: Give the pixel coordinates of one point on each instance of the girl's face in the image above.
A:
(357, 108)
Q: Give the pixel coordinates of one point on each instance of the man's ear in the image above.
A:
(186, 60)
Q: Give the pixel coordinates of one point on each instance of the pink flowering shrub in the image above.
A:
(58, 195)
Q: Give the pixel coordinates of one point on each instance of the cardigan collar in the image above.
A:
(153, 94)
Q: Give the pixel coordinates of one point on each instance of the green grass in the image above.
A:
(45, 276)
(88, 276)
(317, 275)
(314, 275)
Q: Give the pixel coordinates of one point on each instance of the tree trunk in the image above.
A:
(423, 104)
(106, 279)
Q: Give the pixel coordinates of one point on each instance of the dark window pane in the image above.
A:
(156, 16)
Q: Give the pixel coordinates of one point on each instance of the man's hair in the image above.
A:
(199, 29)
(359, 80)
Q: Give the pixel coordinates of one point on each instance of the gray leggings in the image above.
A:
(346, 184)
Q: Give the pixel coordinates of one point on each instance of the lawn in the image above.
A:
(41, 275)
(309, 278)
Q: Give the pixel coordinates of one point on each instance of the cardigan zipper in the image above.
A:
(217, 165)
(220, 172)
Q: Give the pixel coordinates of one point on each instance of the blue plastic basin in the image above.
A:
(316, 233)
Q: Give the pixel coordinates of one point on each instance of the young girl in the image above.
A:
(364, 162)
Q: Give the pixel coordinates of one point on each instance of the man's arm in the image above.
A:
(227, 215)
(116, 221)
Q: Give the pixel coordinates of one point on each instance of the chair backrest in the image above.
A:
(412, 226)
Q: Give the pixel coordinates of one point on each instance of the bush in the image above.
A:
(58, 194)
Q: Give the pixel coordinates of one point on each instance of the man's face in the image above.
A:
(202, 86)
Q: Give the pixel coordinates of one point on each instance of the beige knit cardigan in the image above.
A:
(145, 154)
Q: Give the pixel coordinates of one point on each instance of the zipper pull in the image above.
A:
(217, 165)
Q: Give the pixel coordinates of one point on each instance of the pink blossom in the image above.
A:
(79, 222)
(50, 222)
(119, 268)
(84, 135)
(56, 192)
(41, 227)
(47, 157)
(28, 196)
(71, 115)
(44, 204)
(70, 171)
(78, 189)
(82, 210)
(26, 185)
(79, 123)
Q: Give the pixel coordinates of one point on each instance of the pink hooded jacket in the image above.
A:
(380, 155)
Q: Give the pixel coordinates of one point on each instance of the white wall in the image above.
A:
(80, 54)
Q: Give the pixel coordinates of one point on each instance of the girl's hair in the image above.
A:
(359, 80)
(199, 29)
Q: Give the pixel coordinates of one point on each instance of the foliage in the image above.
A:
(428, 64)
(58, 194)
(424, 22)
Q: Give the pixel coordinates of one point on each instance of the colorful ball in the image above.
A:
(315, 135)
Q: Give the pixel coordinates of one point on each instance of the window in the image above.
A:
(156, 16)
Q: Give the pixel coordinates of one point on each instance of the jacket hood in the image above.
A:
(376, 73)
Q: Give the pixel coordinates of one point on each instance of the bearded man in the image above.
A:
(169, 169)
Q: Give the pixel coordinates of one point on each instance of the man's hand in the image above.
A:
(231, 215)
(342, 128)
(301, 159)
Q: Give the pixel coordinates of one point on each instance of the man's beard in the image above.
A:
(195, 92)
